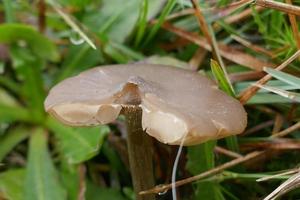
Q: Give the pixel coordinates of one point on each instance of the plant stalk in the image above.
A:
(140, 152)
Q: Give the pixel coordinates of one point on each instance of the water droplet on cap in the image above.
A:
(75, 38)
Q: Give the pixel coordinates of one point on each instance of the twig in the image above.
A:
(42, 15)
(278, 123)
(258, 127)
(249, 156)
(227, 152)
(251, 91)
(277, 175)
(204, 27)
(82, 186)
(227, 52)
(209, 35)
(287, 131)
(294, 25)
(290, 184)
(220, 12)
(245, 76)
(163, 188)
(295, 10)
(252, 46)
(242, 15)
(197, 58)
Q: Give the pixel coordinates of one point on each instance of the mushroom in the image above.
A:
(175, 104)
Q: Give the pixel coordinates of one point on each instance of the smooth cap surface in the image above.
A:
(176, 103)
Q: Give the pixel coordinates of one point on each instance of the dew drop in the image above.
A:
(163, 192)
(75, 38)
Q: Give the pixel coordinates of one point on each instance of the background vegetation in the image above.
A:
(43, 42)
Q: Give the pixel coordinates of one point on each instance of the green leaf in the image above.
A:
(9, 12)
(95, 192)
(142, 22)
(11, 184)
(11, 139)
(165, 12)
(78, 58)
(41, 182)
(131, 54)
(115, 21)
(70, 178)
(268, 99)
(166, 60)
(14, 113)
(226, 86)
(273, 83)
(9, 84)
(258, 20)
(26, 35)
(76, 3)
(219, 75)
(285, 77)
(28, 68)
(7, 99)
(291, 95)
(78, 144)
(200, 159)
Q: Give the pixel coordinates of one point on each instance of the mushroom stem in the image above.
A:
(140, 152)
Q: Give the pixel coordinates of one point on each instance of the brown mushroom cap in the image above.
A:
(175, 102)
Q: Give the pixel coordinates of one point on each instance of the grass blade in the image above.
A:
(41, 180)
(11, 139)
(201, 159)
(285, 77)
(14, 113)
(291, 95)
(226, 86)
(9, 13)
(68, 19)
(219, 75)
(142, 22)
(12, 183)
(33, 40)
(168, 8)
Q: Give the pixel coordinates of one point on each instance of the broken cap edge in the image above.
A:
(79, 114)
(163, 126)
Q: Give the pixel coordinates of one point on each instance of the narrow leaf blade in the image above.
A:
(285, 77)
(11, 184)
(41, 182)
(219, 75)
(11, 139)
